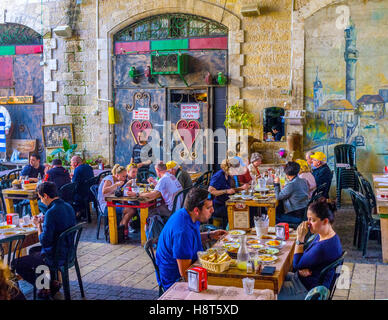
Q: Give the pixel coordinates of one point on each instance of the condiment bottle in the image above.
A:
(242, 254)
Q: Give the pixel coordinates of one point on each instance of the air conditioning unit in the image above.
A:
(63, 31)
(171, 63)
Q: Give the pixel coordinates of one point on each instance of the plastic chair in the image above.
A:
(14, 174)
(67, 191)
(14, 245)
(318, 193)
(89, 198)
(149, 249)
(345, 153)
(367, 191)
(336, 266)
(4, 184)
(100, 213)
(183, 192)
(318, 293)
(367, 223)
(71, 235)
(204, 179)
(102, 175)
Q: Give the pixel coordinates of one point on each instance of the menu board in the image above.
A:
(190, 111)
(241, 218)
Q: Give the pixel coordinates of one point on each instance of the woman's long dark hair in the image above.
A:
(323, 209)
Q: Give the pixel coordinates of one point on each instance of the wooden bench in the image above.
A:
(24, 146)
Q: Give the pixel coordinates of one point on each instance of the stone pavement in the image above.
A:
(121, 272)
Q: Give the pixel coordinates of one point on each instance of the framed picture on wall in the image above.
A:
(53, 134)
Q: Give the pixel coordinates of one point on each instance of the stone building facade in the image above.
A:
(264, 52)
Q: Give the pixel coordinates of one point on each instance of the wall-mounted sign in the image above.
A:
(17, 100)
(190, 111)
(141, 114)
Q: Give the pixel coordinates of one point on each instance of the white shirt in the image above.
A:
(101, 197)
(7, 117)
(169, 186)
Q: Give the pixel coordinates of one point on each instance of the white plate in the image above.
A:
(263, 256)
(10, 233)
(271, 251)
(261, 189)
(237, 232)
(281, 244)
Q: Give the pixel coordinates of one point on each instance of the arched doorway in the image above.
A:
(165, 73)
(21, 75)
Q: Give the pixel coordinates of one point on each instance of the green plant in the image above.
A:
(237, 118)
(65, 153)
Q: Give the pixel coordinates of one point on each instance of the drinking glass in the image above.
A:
(261, 225)
(248, 285)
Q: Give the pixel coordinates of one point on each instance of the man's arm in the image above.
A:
(183, 265)
(151, 195)
(46, 237)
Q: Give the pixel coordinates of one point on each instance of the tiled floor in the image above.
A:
(124, 271)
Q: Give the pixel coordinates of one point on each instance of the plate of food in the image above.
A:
(275, 243)
(237, 232)
(271, 251)
(253, 241)
(247, 197)
(257, 246)
(267, 237)
(7, 227)
(10, 233)
(261, 189)
(266, 258)
(235, 197)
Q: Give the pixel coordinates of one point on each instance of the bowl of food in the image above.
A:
(236, 232)
(275, 243)
(7, 227)
(267, 237)
(253, 241)
(271, 251)
(16, 184)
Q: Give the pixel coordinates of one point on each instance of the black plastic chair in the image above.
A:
(318, 293)
(336, 266)
(149, 248)
(67, 191)
(100, 213)
(204, 179)
(183, 192)
(14, 174)
(14, 245)
(367, 191)
(4, 184)
(90, 198)
(102, 175)
(71, 235)
(366, 222)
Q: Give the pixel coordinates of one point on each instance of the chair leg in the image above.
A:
(365, 244)
(355, 232)
(66, 282)
(77, 270)
(98, 226)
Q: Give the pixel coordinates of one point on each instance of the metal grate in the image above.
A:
(13, 33)
(171, 26)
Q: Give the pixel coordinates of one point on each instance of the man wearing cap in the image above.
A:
(321, 171)
(182, 175)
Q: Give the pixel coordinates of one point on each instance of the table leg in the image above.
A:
(384, 238)
(34, 207)
(9, 205)
(272, 216)
(143, 220)
(230, 216)
(112, 219)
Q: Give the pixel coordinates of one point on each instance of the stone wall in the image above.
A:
(259, 56)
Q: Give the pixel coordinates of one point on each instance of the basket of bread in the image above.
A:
(29, 186)
(16, 184)
(215, 260)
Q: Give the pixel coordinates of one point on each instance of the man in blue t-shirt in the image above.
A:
(180, 239)
(33, 169)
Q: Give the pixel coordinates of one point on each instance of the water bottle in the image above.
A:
(39, 179)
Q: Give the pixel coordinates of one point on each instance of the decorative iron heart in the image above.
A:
(188, 132)
(138, 126)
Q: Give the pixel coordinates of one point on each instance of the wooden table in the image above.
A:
(270, 204)
(233, 276)
(112, 204)
(382, 210)
(11, 194)
(180, 291)
(31, 239)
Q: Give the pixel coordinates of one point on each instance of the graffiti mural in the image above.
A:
(346, 81)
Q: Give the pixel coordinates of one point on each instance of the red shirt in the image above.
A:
(244, 178)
